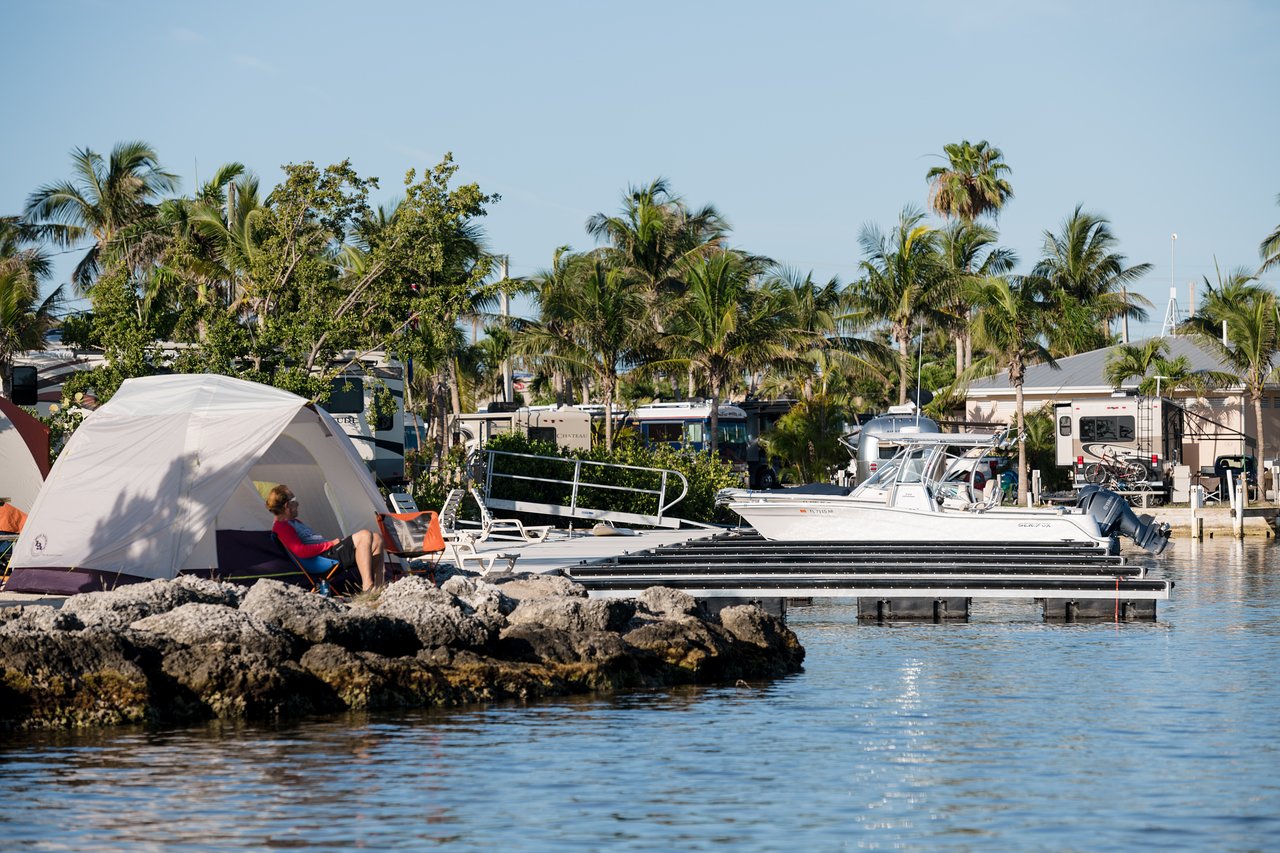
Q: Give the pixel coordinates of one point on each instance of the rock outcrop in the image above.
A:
(189, 649)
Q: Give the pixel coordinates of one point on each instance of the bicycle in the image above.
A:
(1114, 472)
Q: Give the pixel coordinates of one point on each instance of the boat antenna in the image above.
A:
(919, 371)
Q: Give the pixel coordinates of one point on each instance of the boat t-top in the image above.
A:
(928, 493)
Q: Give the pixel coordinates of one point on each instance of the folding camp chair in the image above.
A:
(414, 539)
(463, 547)
(323, 568)
(506, 528)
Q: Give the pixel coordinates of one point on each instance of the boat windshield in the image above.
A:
(925, 463)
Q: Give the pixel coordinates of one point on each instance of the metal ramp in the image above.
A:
(579, 486)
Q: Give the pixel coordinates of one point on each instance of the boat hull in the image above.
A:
(851, 521)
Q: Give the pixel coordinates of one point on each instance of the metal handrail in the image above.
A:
(576, 483)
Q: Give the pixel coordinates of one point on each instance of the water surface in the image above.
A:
(1004, 733)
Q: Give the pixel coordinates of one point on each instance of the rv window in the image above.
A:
(346, 396)
(1064, 425)
(1115, 428)
(693, 433)
(664, 432)
(733, 433)
(542, 434)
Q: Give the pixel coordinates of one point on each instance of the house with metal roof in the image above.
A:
(1225, 415)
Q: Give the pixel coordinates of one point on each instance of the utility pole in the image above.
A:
(508, 387)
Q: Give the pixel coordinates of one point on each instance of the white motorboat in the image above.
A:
(926, 494)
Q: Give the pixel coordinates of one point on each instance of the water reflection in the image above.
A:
(1004, 732)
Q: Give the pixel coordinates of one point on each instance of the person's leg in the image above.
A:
(364, 559)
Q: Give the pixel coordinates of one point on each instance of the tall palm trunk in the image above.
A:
(1262, 444)
(1022, 445)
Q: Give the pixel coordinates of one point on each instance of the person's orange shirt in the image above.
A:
(11, 518)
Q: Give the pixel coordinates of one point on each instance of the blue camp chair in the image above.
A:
(314, 569)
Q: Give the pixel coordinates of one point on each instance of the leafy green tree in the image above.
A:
(1249, 312)
(102, 201)
(903, 283)
(1014, 315)
(1091, 281)
(972, 184)
(807, 438)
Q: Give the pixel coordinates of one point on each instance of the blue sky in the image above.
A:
(801, 123)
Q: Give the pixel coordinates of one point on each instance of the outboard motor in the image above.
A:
(1113, 514)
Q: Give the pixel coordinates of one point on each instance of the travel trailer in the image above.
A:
(872, 443)
(566, 426)
(1144, 430)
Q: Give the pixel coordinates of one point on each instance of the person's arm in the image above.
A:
(289, 538)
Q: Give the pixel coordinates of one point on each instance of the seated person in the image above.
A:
(361, 550)
(11, 518)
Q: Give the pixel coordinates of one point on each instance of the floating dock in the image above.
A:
(891, 580)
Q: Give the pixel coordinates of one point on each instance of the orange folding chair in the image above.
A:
(414, 539)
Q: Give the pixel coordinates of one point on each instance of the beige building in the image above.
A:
(1214, 425)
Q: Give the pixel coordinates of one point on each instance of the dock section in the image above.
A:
(891, 580)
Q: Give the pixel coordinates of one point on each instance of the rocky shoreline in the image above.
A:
(193, 649)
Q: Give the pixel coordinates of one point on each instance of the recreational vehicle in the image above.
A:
(872, 443)
(566, 426)
(688, 425)
(1097, 434)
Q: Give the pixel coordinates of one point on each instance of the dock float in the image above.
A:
(891, 580)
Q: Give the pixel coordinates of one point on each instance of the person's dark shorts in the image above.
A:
(344, 552)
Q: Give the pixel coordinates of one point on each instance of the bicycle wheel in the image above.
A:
(1096, 473)
(1135, 472)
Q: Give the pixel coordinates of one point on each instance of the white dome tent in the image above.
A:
(157, 481)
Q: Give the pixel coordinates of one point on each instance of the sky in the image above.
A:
(801, 122)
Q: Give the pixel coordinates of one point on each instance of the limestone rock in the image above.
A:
(206, 624)
(71, 679)
(118, 608)
(670, 603)
(437, 618)
(316, 619)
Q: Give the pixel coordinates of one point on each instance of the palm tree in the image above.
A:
(972, 182)
(25, 319)
(1248, 310)
(1157, 373)
(1270, 248)
(1091, 280)
(593, 323)
(969, 253)
(104, 198)
(1013, 316)
(903, 283)
(656, 230)
(727, 325)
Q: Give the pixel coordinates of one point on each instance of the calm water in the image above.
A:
(1000, 734)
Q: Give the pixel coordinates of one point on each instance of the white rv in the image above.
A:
(566, 426)
(1148, 430)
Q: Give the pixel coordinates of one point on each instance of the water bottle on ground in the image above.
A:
(323, 588)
